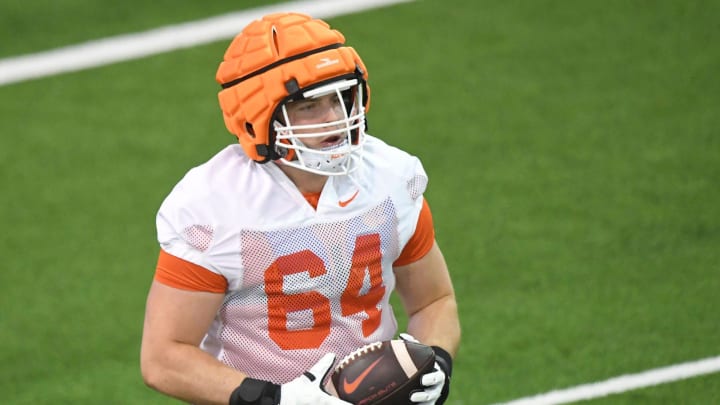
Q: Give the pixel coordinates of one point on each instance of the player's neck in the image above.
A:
(306, 182)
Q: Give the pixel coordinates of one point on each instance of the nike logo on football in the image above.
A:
(350, 386)
(344, 204)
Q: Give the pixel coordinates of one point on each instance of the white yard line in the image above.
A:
(137, 45)
(623, 383)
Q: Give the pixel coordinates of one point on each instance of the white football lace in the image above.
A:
(363, 350)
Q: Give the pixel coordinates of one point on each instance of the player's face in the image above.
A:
(318, 110)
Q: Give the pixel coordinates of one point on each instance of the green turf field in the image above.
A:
(574, 157)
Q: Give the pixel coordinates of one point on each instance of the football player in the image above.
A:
(281, 252)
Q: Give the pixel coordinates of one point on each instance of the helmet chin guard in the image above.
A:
(286, 57)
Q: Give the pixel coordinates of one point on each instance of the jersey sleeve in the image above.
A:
(191, 221)
(178, 273)
(421, 241)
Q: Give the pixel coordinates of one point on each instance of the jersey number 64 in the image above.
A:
(366, 258)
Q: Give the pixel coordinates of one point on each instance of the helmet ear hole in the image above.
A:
(249, 129)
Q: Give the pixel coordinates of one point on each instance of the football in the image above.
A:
(381, 373)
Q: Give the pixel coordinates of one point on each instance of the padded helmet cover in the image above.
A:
(271, 61)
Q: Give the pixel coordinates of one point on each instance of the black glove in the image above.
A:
(437, 382)
(443, 359)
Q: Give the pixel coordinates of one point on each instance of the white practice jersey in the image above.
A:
(301, 281)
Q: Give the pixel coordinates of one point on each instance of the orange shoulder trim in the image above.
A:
(178, 273)
(421, 241)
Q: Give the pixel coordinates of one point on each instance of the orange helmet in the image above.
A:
(286, 57)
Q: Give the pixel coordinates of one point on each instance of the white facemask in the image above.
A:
(338, 159)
